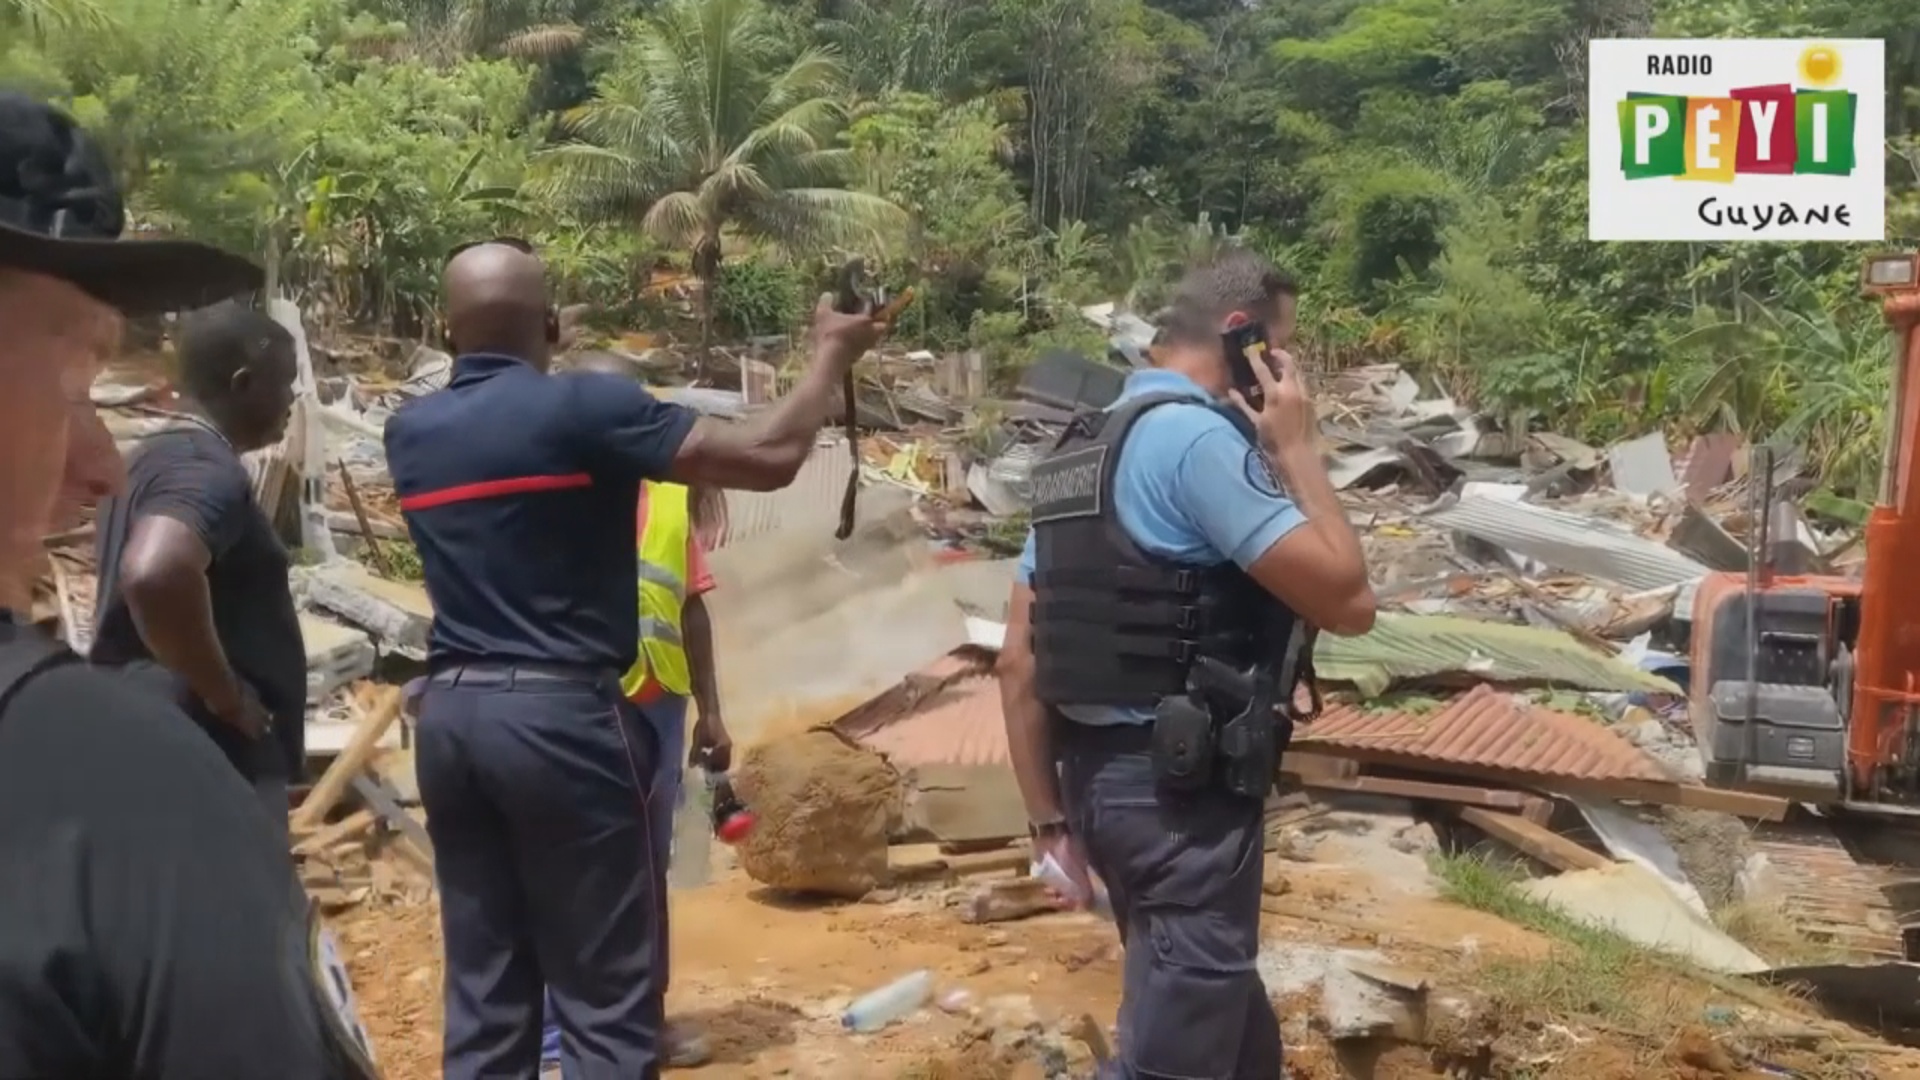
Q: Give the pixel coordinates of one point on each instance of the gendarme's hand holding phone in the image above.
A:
(1246, 343)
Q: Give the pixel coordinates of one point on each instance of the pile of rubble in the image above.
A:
(1521, 685)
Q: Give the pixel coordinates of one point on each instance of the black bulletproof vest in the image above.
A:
(1113, 625)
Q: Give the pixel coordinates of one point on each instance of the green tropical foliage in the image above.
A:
(1421, 164)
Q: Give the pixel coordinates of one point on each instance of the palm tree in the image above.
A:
(702, 127)
(40, 17)
(445, 31)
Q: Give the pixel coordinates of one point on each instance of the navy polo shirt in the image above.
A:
(520, 490)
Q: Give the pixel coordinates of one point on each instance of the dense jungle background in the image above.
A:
(1420, 164)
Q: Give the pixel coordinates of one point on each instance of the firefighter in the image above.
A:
(519, 488)
(1182, 542)
(675, 669)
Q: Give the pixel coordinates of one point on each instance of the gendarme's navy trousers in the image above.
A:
(535, 781)
(1184, 873)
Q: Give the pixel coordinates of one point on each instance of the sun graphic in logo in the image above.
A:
(1820, 65)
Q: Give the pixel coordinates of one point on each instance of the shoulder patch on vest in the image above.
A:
(1069, 485)
(1261, 475)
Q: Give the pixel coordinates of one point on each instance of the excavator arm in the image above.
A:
(1883, 730)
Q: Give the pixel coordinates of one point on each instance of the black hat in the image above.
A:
(61, 215)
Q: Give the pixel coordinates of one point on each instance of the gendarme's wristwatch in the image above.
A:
(1046, 828)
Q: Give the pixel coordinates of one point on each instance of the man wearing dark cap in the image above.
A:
(519, 487)
(150, 922)
(193, 588)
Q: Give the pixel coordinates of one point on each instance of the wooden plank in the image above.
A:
(1310, 766)
(351, 762)
(1495, 798)
(327, 836)
(1517, 832)
(1659, 793)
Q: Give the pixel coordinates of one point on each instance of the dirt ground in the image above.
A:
(767, 978)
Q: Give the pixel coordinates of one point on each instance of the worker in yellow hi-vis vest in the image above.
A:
(675, 667)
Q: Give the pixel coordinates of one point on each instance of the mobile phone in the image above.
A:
(853, 295)
(850, 291)
(1246, 344)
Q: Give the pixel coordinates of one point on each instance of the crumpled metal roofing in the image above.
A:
(1570, 542)
(946, 714)
(1406, 647)
(1488, 729)
(812, 501)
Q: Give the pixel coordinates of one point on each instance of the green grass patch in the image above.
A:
(398, 560)
(1594, 973)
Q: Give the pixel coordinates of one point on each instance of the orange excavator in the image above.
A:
(1808, 686)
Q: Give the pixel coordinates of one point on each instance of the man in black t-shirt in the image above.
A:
(151, 926)
(193, 591)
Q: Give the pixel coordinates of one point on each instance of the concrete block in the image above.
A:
(397, 614)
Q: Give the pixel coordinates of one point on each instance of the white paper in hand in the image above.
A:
(1048, 872)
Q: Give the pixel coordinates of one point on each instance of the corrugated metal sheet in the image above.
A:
(946, 714)
(812, 501)
(1404, 647)
(1015, 464)
(1570, 542)
(1487, 729)
(960, 724)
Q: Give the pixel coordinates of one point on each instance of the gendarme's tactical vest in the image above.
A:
(1113, 625)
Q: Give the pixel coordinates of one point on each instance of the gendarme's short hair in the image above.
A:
(215, 342)
(1234, 280)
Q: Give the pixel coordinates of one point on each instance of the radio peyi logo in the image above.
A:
(1736, 140)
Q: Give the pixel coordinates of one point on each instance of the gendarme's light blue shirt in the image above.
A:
(1184, 490)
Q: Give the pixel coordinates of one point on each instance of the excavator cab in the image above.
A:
(1807, 686)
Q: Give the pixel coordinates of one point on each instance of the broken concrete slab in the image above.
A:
(1357, 993)
(1642, 467)
(336, 655)
(1636, 904)
(397, 614)
(959, 804)
(327, 737)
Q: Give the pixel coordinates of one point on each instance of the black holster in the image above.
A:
(1183, 745)
(1232, 727)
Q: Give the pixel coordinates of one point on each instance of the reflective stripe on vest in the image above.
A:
(662, 574)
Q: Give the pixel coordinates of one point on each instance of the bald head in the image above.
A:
(497, 303)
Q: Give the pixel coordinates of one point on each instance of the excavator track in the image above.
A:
(1842, 879)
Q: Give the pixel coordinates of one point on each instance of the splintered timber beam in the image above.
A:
(352, 761)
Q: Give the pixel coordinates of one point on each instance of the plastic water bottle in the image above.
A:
(878, 1008)
(692, 857)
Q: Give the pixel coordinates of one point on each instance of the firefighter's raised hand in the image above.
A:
(839, 339)
(1285, 421)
